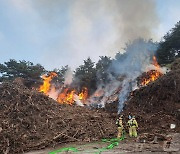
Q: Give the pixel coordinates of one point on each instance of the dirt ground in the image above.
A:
(129, 145)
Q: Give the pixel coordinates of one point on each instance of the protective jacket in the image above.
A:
(132, 123)
(119, 123)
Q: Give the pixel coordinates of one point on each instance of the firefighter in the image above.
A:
(133, 125)
(119, 123)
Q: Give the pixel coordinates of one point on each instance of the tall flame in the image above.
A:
(155, 63)
(84, 94)
(45, 88)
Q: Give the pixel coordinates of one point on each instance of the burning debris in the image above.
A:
(116, 90)
(122, 76)
(150, 75)
(122, 88)
(46, 87)
(64, 94)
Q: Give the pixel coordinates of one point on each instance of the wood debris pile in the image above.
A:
(157, 105)
(30, 120)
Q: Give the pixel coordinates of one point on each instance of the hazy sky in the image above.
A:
(55, 33)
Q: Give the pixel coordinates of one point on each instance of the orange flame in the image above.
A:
(62, 96)
(155, 63)
(66, 96)
(84, 94)
(153, 74)
(45, 88)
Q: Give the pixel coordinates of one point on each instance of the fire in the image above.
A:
(64, 95)
(84, 94)
(67, 96)
(45, 88)
(152, 75)
(155, 63)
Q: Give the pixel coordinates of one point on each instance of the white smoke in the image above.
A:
(138, 57)
(135, 60)
(53, 93)
(68, 77)
(162, 70)
(77, 100)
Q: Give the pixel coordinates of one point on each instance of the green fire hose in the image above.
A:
(113, 142)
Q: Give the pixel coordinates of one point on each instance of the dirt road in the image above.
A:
(128, 145)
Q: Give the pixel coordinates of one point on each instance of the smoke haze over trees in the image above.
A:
(130, 61)
(90, 74)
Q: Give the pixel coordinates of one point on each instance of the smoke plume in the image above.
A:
(68, 77)
(101, 27)
(136, 59)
